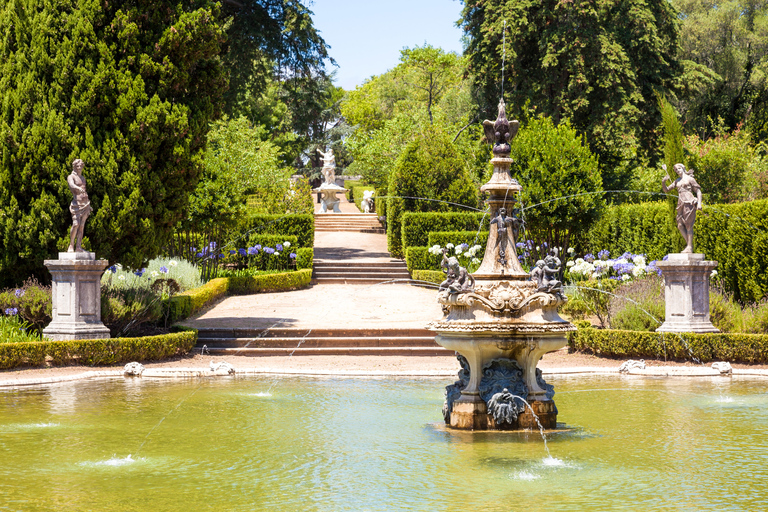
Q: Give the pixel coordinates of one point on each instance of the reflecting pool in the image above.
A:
(378, 444)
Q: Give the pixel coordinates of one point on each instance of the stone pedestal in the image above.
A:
(686, 292)
(328, 199)
(76, 295)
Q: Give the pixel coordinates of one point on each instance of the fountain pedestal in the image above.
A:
(686, 293)
(505, 322)
(328, 199)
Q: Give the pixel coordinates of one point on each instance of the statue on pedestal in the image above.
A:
(688, 202)
(329, 166)
(501, 221)
(80, 207)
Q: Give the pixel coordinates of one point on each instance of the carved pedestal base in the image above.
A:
(545, 411)
(686, 293)
(471, 413)
(76, 295)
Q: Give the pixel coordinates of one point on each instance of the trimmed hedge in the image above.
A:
(305, 258)
(300, 225)
(735, 235)
(430, 276)
(284, 281)
(272, 240)
(184, 304)
(735, 348)
(470, 238)
(419, 258)
(416, 227)
(96, 352)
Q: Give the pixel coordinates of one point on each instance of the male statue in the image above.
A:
(80, 207)
(688, 202)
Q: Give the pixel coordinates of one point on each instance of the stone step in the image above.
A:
(327, 264)
(359, 280)
(321, 342)
(380, 275)
(329, 351)
(298, 332)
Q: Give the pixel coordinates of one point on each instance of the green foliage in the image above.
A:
(129, 89)
(419, 258)
(96, 352)
(184, 273)
(428, 276)
(598, 64)
(639, 305)
(735, 235)
(728, 167)
(278, 282)
(559, 174)
(416, 227)
(300, 225)
(590, 297)
(125, 310)
(184, 304)
(32, 302)
(735, 348)
(673, 135)
(305, 258)
(13, 329)
(428, 168)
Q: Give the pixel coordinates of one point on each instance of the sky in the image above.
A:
(366, 36)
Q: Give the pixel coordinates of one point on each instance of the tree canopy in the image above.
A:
(130, 89)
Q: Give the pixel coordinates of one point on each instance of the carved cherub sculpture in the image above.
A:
(502, 222)
(457, 279)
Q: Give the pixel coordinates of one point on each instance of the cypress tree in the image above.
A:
(129, 88)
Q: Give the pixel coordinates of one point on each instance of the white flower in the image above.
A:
(449, 246)
(435, 249)
(625, 277)
(621, 261)
(173, 263)
(277, 253)
(571, 250)
(121, 278)
(570, 263)
(537, 247)
(468, 254)
(475, 261)
(118, 266)
(713, 274)
(154, 273)
(639, 260)
(638, 271)
(286, 244)
(458, 250)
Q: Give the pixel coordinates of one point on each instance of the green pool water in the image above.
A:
(378, 444)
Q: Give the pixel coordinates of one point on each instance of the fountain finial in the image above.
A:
(501, 132)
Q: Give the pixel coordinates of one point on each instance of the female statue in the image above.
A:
(688, 202)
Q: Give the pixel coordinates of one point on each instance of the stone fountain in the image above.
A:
(500, 319)
(329, 188)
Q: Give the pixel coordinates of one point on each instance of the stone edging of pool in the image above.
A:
(206, 372)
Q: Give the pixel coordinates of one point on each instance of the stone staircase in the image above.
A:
(352, 222)
(358, 272)
(316, 342)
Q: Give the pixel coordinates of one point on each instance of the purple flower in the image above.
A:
(232, 251)
(113, 269)
(279, 247)
(253, 250)
(258, 247)
(193, 249)
(19, 293)
(665, 257)
(604, 254)
(164, 270)
(627, 256)
(292, 255)
(212, 245)
(544, 244)
(519, 245)
(199, 255)
(269, 250)
(589, 257)
(242, 252)
(12, 311)
(140, 273)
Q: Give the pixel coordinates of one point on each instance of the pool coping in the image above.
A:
(207, 372)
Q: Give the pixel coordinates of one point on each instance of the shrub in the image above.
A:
(184, 304)
(416, 227)
(184, 273)
(429, 276)
(14, 329)
(639, 305)
(419, 258)
(32, 302)
(305, 258)
(645, 228)
(96, 352)
(470, 238)
(283, 281)
(558, 173)
(125, 310)
(736, 348)
(429, 167)
(264, 252)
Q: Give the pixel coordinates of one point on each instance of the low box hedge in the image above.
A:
(305, 258)
(735, 348)
(470, 238)
(96, 352)
(184, 304)
(417, 226)
(300, 225)
(419, 258)
(429, 276)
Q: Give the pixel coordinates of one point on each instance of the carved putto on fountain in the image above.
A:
(506, 319)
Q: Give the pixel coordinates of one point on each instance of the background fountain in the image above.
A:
(500, 319)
